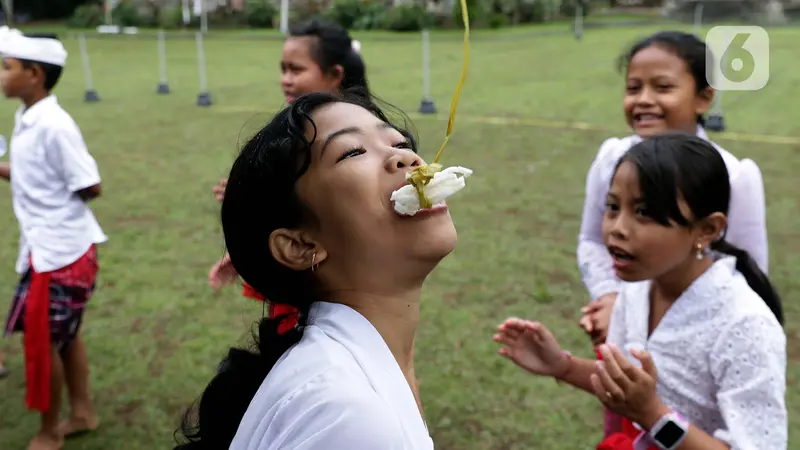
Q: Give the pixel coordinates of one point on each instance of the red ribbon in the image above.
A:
(275, 309)
(37, 342)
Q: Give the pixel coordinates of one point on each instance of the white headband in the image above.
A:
(14, 44)
(357, 46)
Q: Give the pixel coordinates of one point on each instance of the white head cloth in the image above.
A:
(14, 44)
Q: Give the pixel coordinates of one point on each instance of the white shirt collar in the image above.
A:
(348, 327)
(31, 115)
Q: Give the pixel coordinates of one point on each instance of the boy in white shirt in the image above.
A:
(52, 177)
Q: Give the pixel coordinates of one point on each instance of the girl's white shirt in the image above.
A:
(339, 388)
(720, 355)
(747, 221)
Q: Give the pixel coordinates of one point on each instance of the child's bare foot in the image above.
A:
(76, 426)
(46, 441)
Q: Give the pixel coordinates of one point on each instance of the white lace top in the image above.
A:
(747, 216)
(720, 355)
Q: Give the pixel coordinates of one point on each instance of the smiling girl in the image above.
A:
(696, 355)
(665, 89)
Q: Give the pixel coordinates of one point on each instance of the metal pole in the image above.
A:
(285, 16)
(203, 98)
(203, 17)
(698, 18)
(90, 95)
(716, 119)
(163, 85)
(579, 20)
(426, 106)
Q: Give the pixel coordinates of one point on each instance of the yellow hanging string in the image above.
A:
(422, 175)
(457, 94)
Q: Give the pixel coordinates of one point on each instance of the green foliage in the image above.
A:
(407, 17)
(86, 16)
(260, 13)
(125, 14)
(346, 12)
(567, 7)
(475, 10)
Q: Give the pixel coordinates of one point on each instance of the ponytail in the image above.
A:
(215, 421)
(756, 278)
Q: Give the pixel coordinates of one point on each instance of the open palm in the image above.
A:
(531, 346)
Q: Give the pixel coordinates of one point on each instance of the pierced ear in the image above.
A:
(712, 228)
(295, 249)
(704, 100)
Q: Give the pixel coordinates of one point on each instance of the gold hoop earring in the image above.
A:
(699, 254)
(314, 262)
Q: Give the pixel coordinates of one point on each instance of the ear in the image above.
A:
(704, 99)
(295, 249)
(337, 76)
(711, 229)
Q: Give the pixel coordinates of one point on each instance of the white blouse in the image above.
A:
(339, 388)
(747, 216)
(720, 355)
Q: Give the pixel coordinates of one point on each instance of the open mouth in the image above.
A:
(620, 255)
(647, 118)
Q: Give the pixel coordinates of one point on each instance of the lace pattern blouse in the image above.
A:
(720, 355)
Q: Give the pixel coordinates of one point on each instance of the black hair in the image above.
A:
(332, 47)
(260, 197)
(52, 72)
(678, 165)
(688, 47)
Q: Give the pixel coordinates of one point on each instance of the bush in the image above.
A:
(408, 17)
(497, 20)
(568, 7)
(260, 13)
(125, 14)
(373, 16)
(346, 12)
(475, 11)
(86, 16)
(226, 18)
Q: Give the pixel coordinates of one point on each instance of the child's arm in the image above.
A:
(578, 373)
(71, 157)
(5, 171)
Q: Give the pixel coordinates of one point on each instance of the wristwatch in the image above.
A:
(669, 431)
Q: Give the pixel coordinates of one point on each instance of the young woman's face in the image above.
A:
(642, 248)
(357, 162)
(661, 94)
(300, 74)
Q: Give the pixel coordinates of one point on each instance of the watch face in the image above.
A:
(669, 435)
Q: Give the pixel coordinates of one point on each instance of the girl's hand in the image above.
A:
(531, 346)
(597, 317)
(219, 190)
(223, 273)
(626, 389)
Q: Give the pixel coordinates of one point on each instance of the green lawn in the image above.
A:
(155, 330)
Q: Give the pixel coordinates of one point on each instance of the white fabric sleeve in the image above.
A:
(72, 159)
(593, 258)
(616, 326)
(748, 363)
(747, 213)
(341, 420)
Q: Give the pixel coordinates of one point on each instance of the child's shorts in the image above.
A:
(71, 287)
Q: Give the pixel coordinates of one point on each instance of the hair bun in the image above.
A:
(356, 46)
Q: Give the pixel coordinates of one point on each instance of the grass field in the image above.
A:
(155, 330)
